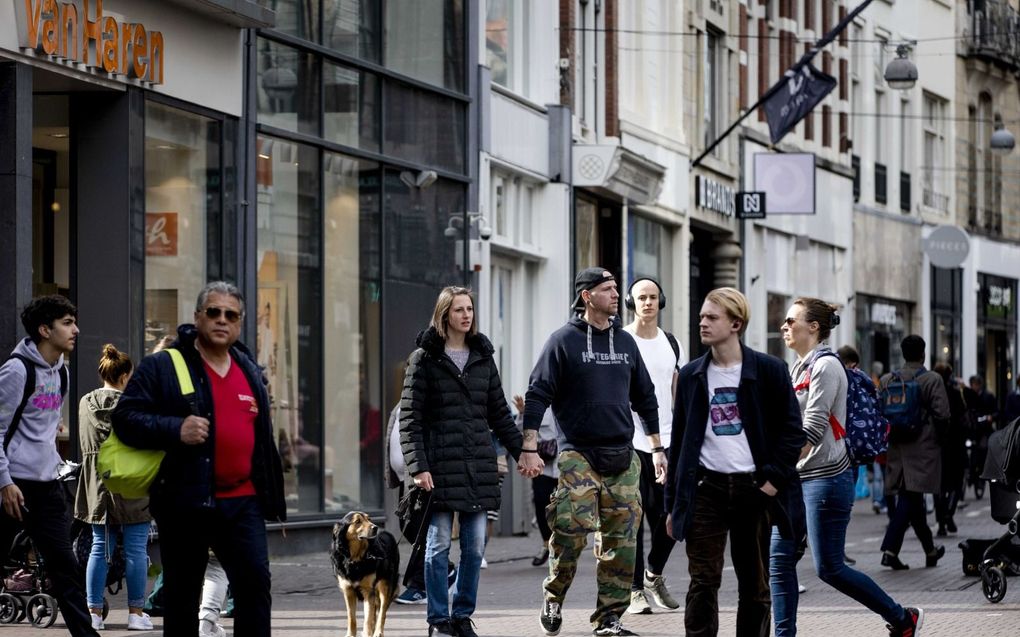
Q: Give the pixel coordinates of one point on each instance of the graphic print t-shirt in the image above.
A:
(725, 448)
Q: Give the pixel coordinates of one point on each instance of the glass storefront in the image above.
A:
(946, 314)
(881, 326)
(336, 320)
(650, 255)
(996, 333)
(182, 214)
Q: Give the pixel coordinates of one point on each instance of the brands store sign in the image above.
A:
(713, 195)
(78, 33)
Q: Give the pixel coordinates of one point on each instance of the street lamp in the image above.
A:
(1002, 141)
(901, 73)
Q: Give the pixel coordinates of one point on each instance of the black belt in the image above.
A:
(717, 476)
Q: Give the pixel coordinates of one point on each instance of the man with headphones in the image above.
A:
(663, 357)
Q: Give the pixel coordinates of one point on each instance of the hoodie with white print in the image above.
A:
(32, 454)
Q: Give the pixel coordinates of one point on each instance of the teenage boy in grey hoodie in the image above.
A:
(31, 495)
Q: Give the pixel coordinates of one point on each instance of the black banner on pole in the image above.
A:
(800, 93)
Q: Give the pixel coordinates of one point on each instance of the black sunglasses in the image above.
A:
(214, 313)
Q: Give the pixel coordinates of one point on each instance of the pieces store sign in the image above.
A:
(79, 33)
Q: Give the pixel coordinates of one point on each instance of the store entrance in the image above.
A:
(51, 195)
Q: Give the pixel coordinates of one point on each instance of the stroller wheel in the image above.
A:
(993, 584)
(42, 610)
(10, 608)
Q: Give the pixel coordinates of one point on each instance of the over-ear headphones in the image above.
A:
(628, 300)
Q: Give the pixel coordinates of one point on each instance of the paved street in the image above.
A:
(307, 602)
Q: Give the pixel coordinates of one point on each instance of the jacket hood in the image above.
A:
(590, 330)
(434, 344)
(101, 402)
(28, 349)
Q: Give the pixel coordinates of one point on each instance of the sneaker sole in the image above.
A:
(920, 620)
(547, 631)
(647, 610)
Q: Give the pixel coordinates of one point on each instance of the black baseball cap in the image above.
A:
(587, 279)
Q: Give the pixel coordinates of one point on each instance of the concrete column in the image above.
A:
(727, 257)
(15, 199)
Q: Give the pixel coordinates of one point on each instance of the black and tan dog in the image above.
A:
(366, 562)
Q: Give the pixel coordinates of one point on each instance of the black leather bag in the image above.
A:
(609, 461)
(547, 450)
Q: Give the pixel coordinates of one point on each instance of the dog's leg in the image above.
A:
(385, 597)
(371, 610)
(351, 601)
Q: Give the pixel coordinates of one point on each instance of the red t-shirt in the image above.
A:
(234, 411)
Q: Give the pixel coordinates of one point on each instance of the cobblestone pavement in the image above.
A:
(307, 602)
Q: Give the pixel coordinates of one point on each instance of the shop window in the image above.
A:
(650, 254)
(351, 105)
(182, 202)
(299, 18)
(510, 206)
(354, 411)
(777, 306)
(425, 40)
(352, 27)
(423, 127)
(586, 230)
(290, 310)
(288, 88)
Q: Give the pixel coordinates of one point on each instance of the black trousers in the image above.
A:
(729, 505)
(910, 512)
(542, 487)
(48, 522)
(236, 532)
(653, 512)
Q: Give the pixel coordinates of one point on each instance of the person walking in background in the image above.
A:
(33, 383)
(592, 375)
(954, 453)
(542, 485)
(663, 357)
(987, 411)
(451, 404)
(914, 456)
(826, 473)
(222, 476)
(737, 433)
(110, 515)
(1012, 410)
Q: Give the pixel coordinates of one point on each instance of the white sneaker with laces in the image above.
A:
(207, 628)
(139, 622)
(639, 604)
(97, 622)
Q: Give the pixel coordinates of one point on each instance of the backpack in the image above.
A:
(866, 431)
(901, 405)
(676, 348)
(29, 390)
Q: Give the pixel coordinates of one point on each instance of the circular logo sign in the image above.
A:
(947, 247)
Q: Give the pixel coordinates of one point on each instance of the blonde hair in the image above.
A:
(441, 315)
(734, 303)
(113, 364)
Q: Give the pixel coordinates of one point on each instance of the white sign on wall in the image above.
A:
(788, 181)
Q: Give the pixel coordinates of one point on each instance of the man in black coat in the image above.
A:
(222, 476)
(734, 469)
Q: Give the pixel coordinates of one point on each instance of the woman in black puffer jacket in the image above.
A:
(451, 404)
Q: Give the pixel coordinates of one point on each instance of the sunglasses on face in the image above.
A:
(214, 313)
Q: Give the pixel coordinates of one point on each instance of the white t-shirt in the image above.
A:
(725, 448)
(661, 363)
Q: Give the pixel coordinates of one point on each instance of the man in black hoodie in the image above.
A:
(591, 374)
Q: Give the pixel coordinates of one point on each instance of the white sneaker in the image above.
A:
(208, 628)
(801, 588)
(485, 564)
(97, 622)
(139, 622)
(639, 604)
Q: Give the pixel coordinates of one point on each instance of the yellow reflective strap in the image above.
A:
(183, 375)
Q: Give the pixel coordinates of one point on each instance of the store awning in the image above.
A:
(239, 13)
(618, 170)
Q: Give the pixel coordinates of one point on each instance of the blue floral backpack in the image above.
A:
(866, 429)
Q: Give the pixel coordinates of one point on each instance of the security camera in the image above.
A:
(485, 231)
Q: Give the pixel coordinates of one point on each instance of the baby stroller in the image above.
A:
(1002, 469)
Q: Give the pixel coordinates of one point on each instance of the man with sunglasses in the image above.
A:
(222, 476)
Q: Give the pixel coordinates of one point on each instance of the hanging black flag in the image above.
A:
(794, 97)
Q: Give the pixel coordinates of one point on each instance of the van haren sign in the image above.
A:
(79, 33)
(947, 246)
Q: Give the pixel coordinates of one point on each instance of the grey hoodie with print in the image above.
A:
(32, 454)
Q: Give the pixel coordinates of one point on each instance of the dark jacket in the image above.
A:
(592, 378)
(447, 418)
(916, 465)
(772, 424)
(1012, 411)
(152, 409)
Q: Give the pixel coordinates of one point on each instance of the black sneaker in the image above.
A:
(552, 617)
(912, 628)
(463, 627)
(442, 627)
(610, 625)
(932, 559)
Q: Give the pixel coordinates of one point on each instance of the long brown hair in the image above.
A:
(441, 315)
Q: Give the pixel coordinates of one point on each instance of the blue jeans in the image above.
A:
(437, 558)
(829, 503)
(136, 562)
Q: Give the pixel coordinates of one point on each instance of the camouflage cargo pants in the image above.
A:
(586, 502)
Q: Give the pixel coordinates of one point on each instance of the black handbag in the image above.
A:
(547, 450)
(608, 461)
